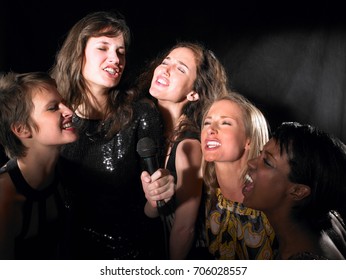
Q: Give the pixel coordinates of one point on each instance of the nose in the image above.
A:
(166, 71)
(212, 130)
(113, 58)
(66, 112)
(252, 163)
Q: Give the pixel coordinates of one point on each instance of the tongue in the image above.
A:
(248, 187)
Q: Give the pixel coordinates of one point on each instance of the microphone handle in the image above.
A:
(153, 165)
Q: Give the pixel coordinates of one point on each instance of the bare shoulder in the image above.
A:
(188, 155)
(189, 146)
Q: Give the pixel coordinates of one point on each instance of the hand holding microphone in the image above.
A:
(147, 150)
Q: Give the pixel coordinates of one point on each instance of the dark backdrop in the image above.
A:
(288, 57)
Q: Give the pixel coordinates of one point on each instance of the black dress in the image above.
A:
(48, 243)
(106, 197)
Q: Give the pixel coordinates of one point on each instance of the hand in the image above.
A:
(159, 186)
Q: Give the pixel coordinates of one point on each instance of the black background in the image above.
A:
(288, 57)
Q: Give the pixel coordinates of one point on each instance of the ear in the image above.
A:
(192, 96)
(299, 191)
(21, 130)
(247, 144)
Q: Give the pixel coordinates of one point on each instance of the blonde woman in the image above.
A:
(233, 132)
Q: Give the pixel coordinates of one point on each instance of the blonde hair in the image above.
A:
(256, 128)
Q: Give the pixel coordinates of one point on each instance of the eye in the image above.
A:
(182, 70)
(226, 123)
(53, 107)
(121, 52)
(267, 162)
(206, 123)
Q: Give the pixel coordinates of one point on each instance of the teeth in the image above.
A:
(162, 81)
(67, 125)
(248, 179)
(213, 144)
(110, 70)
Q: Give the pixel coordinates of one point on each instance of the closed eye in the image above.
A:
(267, 162)
(182, 70)
(206, 123)
(53, 108)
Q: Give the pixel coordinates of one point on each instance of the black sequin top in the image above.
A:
(102, 178)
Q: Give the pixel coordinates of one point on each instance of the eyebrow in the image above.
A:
(108, 43)
(179, 61)
(269, 154)
(223, 117)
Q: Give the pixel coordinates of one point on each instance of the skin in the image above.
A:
(54, 128)
(104, 64)
(225, 143)
(172, 86)
(271, 191)
(270, 172)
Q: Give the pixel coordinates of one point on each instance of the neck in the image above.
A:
(38, 170)
(294, 238)
(230, 180)
(172, 116)
(96, 108)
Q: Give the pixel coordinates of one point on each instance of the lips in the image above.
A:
(67, 125)
(248, 186)
(161, 80)
(212, 144)
(112, 71)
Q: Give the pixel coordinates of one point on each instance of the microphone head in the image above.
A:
(146, 147)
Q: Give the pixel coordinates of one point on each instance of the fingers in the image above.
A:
(160, 186)
(145, 177)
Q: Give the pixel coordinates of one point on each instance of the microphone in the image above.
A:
(147, 150)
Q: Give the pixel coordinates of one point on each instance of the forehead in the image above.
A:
(44, 91)
(273, 147)
(184, 55)
(107, 40)
(225, 107)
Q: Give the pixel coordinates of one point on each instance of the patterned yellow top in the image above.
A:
(237, 232)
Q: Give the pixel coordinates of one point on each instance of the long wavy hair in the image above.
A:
(67, 70)
(211, 82)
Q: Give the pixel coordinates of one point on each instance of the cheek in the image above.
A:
(203, 135)
(181, 84)
(268, 192)
(234, 149)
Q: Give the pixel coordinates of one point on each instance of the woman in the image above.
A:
(233, 131)
(102, 169)
(298, 181)
(185, 78)
(35, 123)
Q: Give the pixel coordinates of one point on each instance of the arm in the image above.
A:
(188, 193)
